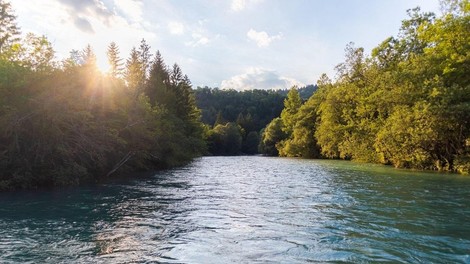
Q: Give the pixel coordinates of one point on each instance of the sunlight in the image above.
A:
(103, 66)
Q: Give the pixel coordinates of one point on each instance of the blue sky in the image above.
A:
(239, 44)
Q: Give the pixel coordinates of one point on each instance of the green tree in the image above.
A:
(225, 139)
(9, 31)
(134, 75)
(250, 145)
(219, 120)
(302, 142)
(271, 136)
(157, 87)
(114, 60)
(145, 59)
(291, 106)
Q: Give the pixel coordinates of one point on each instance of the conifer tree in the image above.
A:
(145, 59)
(133, 74)
(114, 60)
(89, 57)
(156, 88)
(9, 31)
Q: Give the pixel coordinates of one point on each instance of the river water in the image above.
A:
(246, 210)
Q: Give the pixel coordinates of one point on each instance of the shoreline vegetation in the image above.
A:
(66, 123)
(406, 105)
(63, 123)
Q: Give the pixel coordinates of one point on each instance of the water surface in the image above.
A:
(246, 210)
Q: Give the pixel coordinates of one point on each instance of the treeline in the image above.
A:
(234, 119)
(65, 123)
(407, 104)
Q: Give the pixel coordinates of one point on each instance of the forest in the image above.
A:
(67, 123)
(407, 104)
(234, 119)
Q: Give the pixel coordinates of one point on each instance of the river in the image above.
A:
(246, 210)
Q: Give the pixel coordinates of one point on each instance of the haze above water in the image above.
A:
(245, 210)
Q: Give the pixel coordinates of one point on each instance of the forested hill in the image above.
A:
(234, 119)
(261, 106)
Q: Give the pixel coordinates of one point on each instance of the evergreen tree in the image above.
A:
(145, 59)
(157, 87)
(114, 60)
(219, 120)
(89, 57)
(9, 31)
(133, 74)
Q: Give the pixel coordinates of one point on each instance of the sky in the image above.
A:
(230, 44)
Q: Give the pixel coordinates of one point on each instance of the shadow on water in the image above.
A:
(245, 210)
(98, 223)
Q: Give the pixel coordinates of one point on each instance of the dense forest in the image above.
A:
(65, 122)
(234, 119)
(407, 104)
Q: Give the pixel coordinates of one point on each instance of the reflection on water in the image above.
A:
(245, 210)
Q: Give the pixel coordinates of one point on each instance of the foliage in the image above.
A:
(252, 110)
(408, 104)
(67, 123)
(9, 31)
(271, 137)
(225, 139)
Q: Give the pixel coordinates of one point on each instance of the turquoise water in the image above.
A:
(246, 210)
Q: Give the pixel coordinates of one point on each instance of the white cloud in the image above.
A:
(262, 38)
(132, 9)
(239, 5)
(81, 12)
(259, 78)
(198, 40)
(176, 28)
(200, 35)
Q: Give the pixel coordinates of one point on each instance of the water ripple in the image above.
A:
(246, 210)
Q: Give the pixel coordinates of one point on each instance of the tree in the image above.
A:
(145, 59)
(114, 60)
(157, 87)
(271, 136)
(291, 106)
(133, 74)
(89, 57)
(250, 145)
(219, 120)
(225, 139)
(9, 31)
(302, 141)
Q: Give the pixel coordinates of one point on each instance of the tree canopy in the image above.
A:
(66, 123)
(407, 104)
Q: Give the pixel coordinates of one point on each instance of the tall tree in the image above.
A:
(291, 106)
(114, 60)
(145, 58)
(156, 88)
(89, 57)
(9, 31)
(133, 74)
